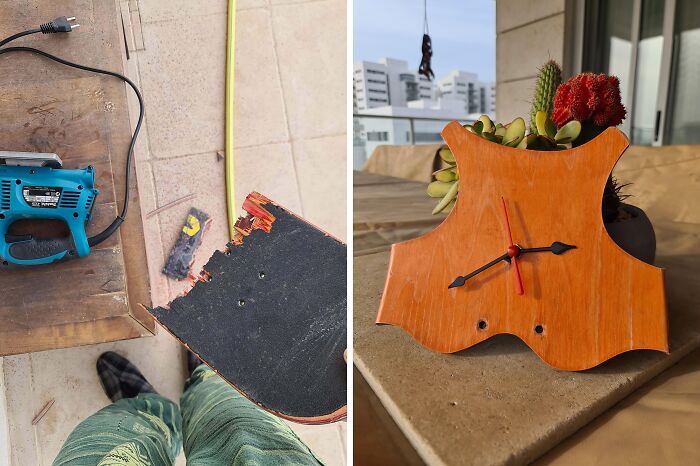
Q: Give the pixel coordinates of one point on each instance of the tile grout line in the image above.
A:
(205, 15)
(343, 447)
(35, 429)
(290, 140)
(284, 107)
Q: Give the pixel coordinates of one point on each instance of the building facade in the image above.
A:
(652, 46)
(477, 97)
(388, 82)
(395, 105)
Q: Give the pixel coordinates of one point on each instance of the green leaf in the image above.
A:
(515, 132)
(439, 188)
(550, 128)
(541, 122)
(488, 124)
(451, 194)
(568, 133)
(478, 127)
(446, 174)
(542, 143)
(446, 155)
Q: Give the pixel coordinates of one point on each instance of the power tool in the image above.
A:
(35, 186)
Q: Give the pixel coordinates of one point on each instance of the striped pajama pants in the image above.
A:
(216, 425)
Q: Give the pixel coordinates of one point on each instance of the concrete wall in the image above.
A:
(528, 33)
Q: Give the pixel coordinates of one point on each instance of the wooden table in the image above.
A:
(498, 403)
(46, 107)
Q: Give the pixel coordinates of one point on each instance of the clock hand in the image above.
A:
(459, 281)
(556, 248)
(513, 252)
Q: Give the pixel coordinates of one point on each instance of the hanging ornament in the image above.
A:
(427, 47)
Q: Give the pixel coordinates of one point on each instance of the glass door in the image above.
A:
(647, 72)
(683, 121)
(653, 47)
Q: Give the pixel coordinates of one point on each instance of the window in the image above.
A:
(461, 85)
(653, 47)
(371, 99)
(377, 135)
(376, 72)
(378, 91)
(376, 81)
(428, 137)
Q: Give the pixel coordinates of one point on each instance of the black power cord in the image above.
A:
(61, 25)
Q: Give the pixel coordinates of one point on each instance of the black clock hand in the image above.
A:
(556, 248)
(459, 281)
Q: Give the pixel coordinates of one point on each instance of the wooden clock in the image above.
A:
(524, 251)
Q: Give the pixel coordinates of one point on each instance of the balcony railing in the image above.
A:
(370, 131)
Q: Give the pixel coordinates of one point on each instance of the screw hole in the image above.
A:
(80, 186)
(261, 274)
(241, 302)
(539, 328)
(31, 172)
(2, 216)
(227, 252)
(5, 263)
(18, 181)
(75, 214)
(482, 325)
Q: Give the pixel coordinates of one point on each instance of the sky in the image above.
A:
(463, 33)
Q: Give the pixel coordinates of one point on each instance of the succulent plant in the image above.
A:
(562, 116)
(513, 134)
(589, 98)
(548, 80)
(594, 100)
(612, 198)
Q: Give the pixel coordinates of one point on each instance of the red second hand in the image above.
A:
(513, 252)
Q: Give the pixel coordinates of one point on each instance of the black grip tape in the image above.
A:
(40, 248)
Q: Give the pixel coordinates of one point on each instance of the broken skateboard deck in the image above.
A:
(269, 315)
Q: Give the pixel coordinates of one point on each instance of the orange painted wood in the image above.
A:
(593, 302)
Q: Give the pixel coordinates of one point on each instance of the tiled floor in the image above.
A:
(290, 145)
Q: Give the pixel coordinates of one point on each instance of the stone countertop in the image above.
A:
(497, 402)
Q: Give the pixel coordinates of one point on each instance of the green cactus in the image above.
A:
(548, 79)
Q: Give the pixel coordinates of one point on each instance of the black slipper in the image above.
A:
(193, 362)
(120, 378)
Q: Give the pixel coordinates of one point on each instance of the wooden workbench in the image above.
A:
(47, 107)
(498, 403)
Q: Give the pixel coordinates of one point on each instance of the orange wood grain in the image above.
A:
(593, 302)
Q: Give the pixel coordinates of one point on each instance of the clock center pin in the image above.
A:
(513, 250)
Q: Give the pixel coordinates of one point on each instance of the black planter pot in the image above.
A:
(635, 235)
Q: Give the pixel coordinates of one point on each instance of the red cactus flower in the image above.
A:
(589, 97)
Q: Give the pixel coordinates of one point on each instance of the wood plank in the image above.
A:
(497, 402)
(47, 107)
(579, 309)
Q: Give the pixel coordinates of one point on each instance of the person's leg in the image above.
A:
(141, 427)
(221, 426)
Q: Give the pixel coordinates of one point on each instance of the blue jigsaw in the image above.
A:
(35, 186)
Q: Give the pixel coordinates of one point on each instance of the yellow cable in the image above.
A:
(230, 193)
